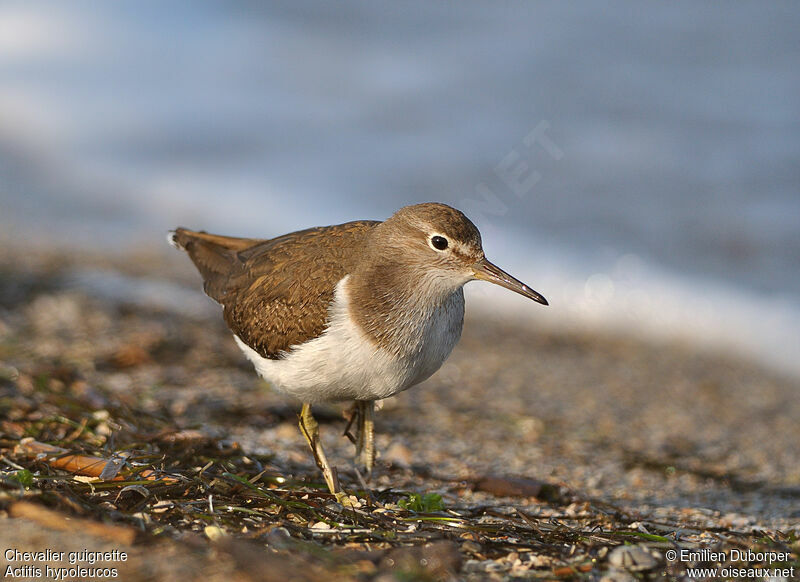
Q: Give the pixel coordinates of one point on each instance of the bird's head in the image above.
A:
(441, 244)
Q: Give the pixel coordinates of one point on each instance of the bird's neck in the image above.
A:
(395, 304)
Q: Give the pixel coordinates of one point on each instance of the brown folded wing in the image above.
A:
(275, 293)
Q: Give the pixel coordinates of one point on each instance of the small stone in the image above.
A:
(540, 561)
(632, 558)
(491, 566)
(470, 547)
(101, 415)
(8, 372)
(472, 566)
(279, 538)
(213, 532)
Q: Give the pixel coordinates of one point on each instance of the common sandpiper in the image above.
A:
(353, 312)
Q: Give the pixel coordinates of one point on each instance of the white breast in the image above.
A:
(344, 364)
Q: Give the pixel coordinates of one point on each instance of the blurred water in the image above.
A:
(658, 189)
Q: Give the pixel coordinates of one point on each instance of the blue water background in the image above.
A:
(639, 164)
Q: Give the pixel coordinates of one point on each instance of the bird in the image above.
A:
(356, 312)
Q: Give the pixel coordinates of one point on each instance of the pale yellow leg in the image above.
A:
(310, 429)
(365, 436)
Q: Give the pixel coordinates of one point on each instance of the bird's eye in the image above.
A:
(439, 242)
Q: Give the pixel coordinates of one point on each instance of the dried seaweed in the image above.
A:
(212, 490)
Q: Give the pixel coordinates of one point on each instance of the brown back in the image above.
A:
(275, 293)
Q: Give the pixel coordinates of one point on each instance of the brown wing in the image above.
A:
(275, 293)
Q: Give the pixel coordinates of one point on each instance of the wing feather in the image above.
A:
(275, 293)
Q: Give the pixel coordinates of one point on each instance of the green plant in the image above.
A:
(427, 503)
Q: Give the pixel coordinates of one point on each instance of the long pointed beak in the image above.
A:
(486, 271)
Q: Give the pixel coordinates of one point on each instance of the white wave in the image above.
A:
(629, 295)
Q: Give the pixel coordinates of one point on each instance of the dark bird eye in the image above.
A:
(439, 242)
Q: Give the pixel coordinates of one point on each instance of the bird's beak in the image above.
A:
(486, 271)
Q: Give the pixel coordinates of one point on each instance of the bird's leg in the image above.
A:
(365, 435)
(362, 416)
(310, 429)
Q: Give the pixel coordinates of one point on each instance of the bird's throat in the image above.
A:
(404, 311)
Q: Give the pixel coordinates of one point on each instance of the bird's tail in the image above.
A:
(215, 256)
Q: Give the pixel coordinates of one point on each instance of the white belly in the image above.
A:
(344, 364)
